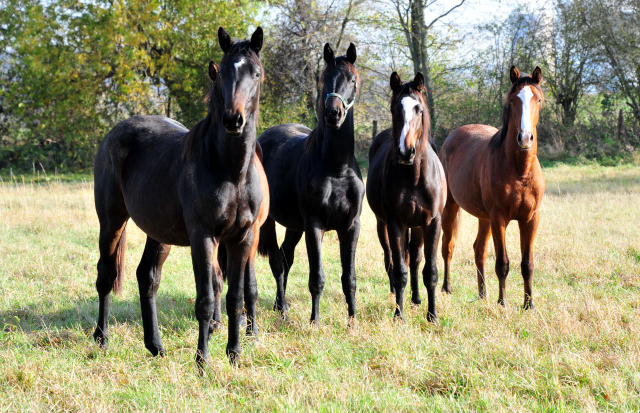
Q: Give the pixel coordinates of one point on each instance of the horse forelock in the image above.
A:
(314, 140)
(498, 138)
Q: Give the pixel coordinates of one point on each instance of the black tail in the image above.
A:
(121, 249)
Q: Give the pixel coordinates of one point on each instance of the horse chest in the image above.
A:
(336, 200)
(232, 211)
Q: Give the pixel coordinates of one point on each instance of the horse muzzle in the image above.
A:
(333, 118)
(407, 157)
(233, 122)
(525, 140)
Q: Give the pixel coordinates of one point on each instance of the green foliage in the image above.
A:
(74, 69)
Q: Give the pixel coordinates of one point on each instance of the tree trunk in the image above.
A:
(419, 52)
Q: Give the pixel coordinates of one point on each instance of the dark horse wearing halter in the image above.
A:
(199, 188)
(316, 185)
(495, 176)
(406, 189)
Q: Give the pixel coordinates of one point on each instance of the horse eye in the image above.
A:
(539, 100)
(257, 74)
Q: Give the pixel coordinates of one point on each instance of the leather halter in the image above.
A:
(346, 105)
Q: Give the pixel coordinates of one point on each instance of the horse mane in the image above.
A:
(215, 101)
(426, 119)
(496, 140)
(314, 140)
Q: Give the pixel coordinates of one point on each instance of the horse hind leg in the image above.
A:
(112, 244)
(415, 257)
(269, 243)
(386, 249)
(149, 274)
(480, 250)
(450, 228)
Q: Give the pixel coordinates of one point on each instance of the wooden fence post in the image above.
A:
(374, 130)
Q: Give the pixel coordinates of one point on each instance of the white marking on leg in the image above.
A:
(408, 104)
(525, 96)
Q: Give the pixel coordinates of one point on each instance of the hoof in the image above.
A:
(314, 323)
(234, 358)
(101, 339)
(283, 310)
(214, 326)
(446, 289)
(157, 351)
(202, 362)
(501, 303)
(416, 301)
(528, 306)
(432, 318)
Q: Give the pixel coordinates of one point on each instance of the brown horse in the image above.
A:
(200, 188)
(406, 189)
(495, 176)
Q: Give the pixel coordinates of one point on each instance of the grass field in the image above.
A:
(579, 350)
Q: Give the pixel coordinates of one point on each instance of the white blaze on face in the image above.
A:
(408, 104)
(525, 96)
(238, 64)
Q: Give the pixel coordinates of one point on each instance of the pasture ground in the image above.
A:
(577, 351)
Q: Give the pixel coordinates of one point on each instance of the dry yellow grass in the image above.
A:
(577, 351)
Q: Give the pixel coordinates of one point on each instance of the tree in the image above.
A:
(411, 16)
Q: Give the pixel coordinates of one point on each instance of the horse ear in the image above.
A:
(537, 75)
(351, 53)
(213, 70)
(256, 40)
(514, 74)
(224, 39)
(329, 56)
(418, 82)
(395, 81)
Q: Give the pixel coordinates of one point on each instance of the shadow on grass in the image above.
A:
(175, 313)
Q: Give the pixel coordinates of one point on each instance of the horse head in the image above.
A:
(238, 79)
(410, 117)
(524, 100)
(340, 85)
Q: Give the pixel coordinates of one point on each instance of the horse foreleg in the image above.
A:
(149, 274)
(238, 256)
(528, 231)
(498, 228)
(450, 227)
(480, 250)
(415, 256)
(348, 242)
(313, 239)
(204, 250)
(430, 272)
(397, 238)
(384, 242)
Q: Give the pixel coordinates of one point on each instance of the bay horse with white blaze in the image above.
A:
(495, 176)
(316, 185)
(199, 188)
(406, 189)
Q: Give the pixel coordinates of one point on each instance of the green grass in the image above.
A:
(577, 351)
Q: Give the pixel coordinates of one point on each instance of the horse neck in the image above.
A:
(522, 160)
(338, 145)
(234, 153)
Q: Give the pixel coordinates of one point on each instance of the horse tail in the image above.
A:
(121, 250)
(262, 247)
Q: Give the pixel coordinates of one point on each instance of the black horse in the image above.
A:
(316, 185)
(199, 188)
(406, 189)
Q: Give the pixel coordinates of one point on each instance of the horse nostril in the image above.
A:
(239, 120)
(412, 151)
(520, 137)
